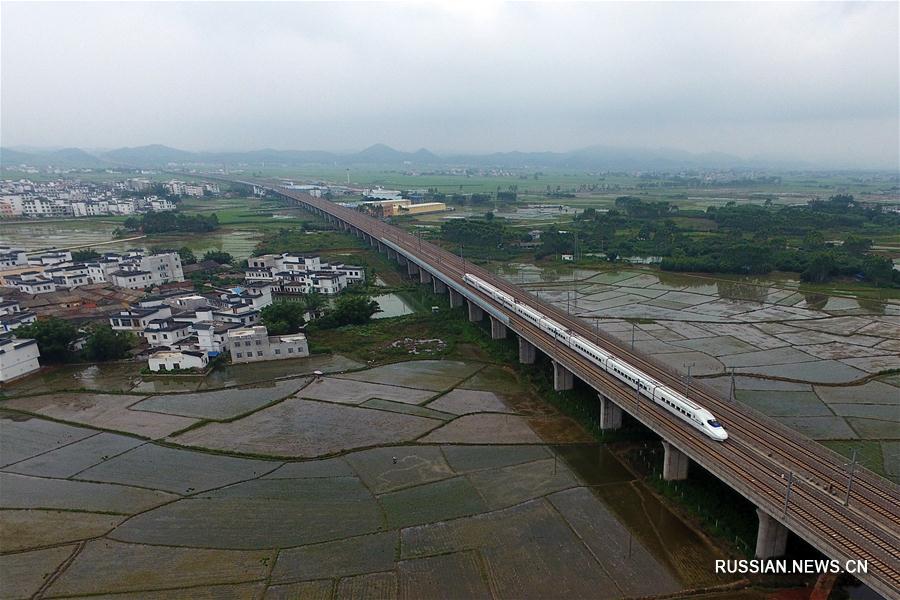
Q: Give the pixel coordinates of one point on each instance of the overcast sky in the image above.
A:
(816, 81)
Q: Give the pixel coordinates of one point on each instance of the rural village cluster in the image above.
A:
(180, 329)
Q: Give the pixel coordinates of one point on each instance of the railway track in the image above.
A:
(760, 451)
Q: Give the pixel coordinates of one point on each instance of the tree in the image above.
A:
(281, 318)
(314, 302)
(187, 256)
(104, 343)
(54, 337)
(819, 268)
(813, 240)
(218, 256)
(856, 245)
(85, 255)
(489, 215)
(350, 310)
(878, 269)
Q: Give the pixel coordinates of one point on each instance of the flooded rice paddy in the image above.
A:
(419, 479)
(86, 233)
(819, 363)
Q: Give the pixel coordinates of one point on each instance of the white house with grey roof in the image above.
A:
(18, 357)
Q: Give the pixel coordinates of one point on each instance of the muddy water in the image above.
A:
(687, 554)
(392, 305)
(85, 233)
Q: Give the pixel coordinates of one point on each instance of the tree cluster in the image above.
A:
(56, 340)
(281, 318)
(748, 238)
(164, 222)
(354, 309)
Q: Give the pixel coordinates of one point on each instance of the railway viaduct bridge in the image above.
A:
(796, 484)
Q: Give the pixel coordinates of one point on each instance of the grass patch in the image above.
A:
(868, 453)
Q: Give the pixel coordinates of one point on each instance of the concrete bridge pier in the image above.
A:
(498, 329)
(475, 312)
(424, 276)
(563, 379)
(610, 414)
(527, 351)
(771, 537)
(402, 259)
(456, 299)
(380, 246)
(675, 463)
(439, 286)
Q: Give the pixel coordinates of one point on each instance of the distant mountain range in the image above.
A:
(590, 158)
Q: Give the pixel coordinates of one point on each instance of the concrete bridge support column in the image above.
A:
(675, 463)
(424, 276)
(456, 299)
(563, 379)
(439, 286)
(771, 537)
(401, 259)
(527, 351)
(610, 414)
(412, 268)
(498, 329)
(475, 312)
(380, 246)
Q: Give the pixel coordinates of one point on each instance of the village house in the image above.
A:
(174, 360)
(18, 357)
(253, 344)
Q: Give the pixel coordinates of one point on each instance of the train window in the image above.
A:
(714, 423)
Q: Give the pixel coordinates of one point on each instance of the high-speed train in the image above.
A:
(679, 405)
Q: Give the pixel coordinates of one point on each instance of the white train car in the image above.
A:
(677, 404)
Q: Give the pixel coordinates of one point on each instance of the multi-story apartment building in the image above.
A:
(254, 344)
(31, 282)
(146, 271)
(166, 332)
(69, 276)
(46, 207)
(138, 318)
(301, 274)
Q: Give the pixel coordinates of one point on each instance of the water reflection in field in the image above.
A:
(98, 234)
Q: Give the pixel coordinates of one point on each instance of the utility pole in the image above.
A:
(633, 327)
(687, 380)
(732, 390)
(637, 399)
(787, 494)
(852, 469)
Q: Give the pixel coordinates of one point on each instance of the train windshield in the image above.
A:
(714, 423)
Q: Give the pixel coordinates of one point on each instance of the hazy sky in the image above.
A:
(816, 81)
